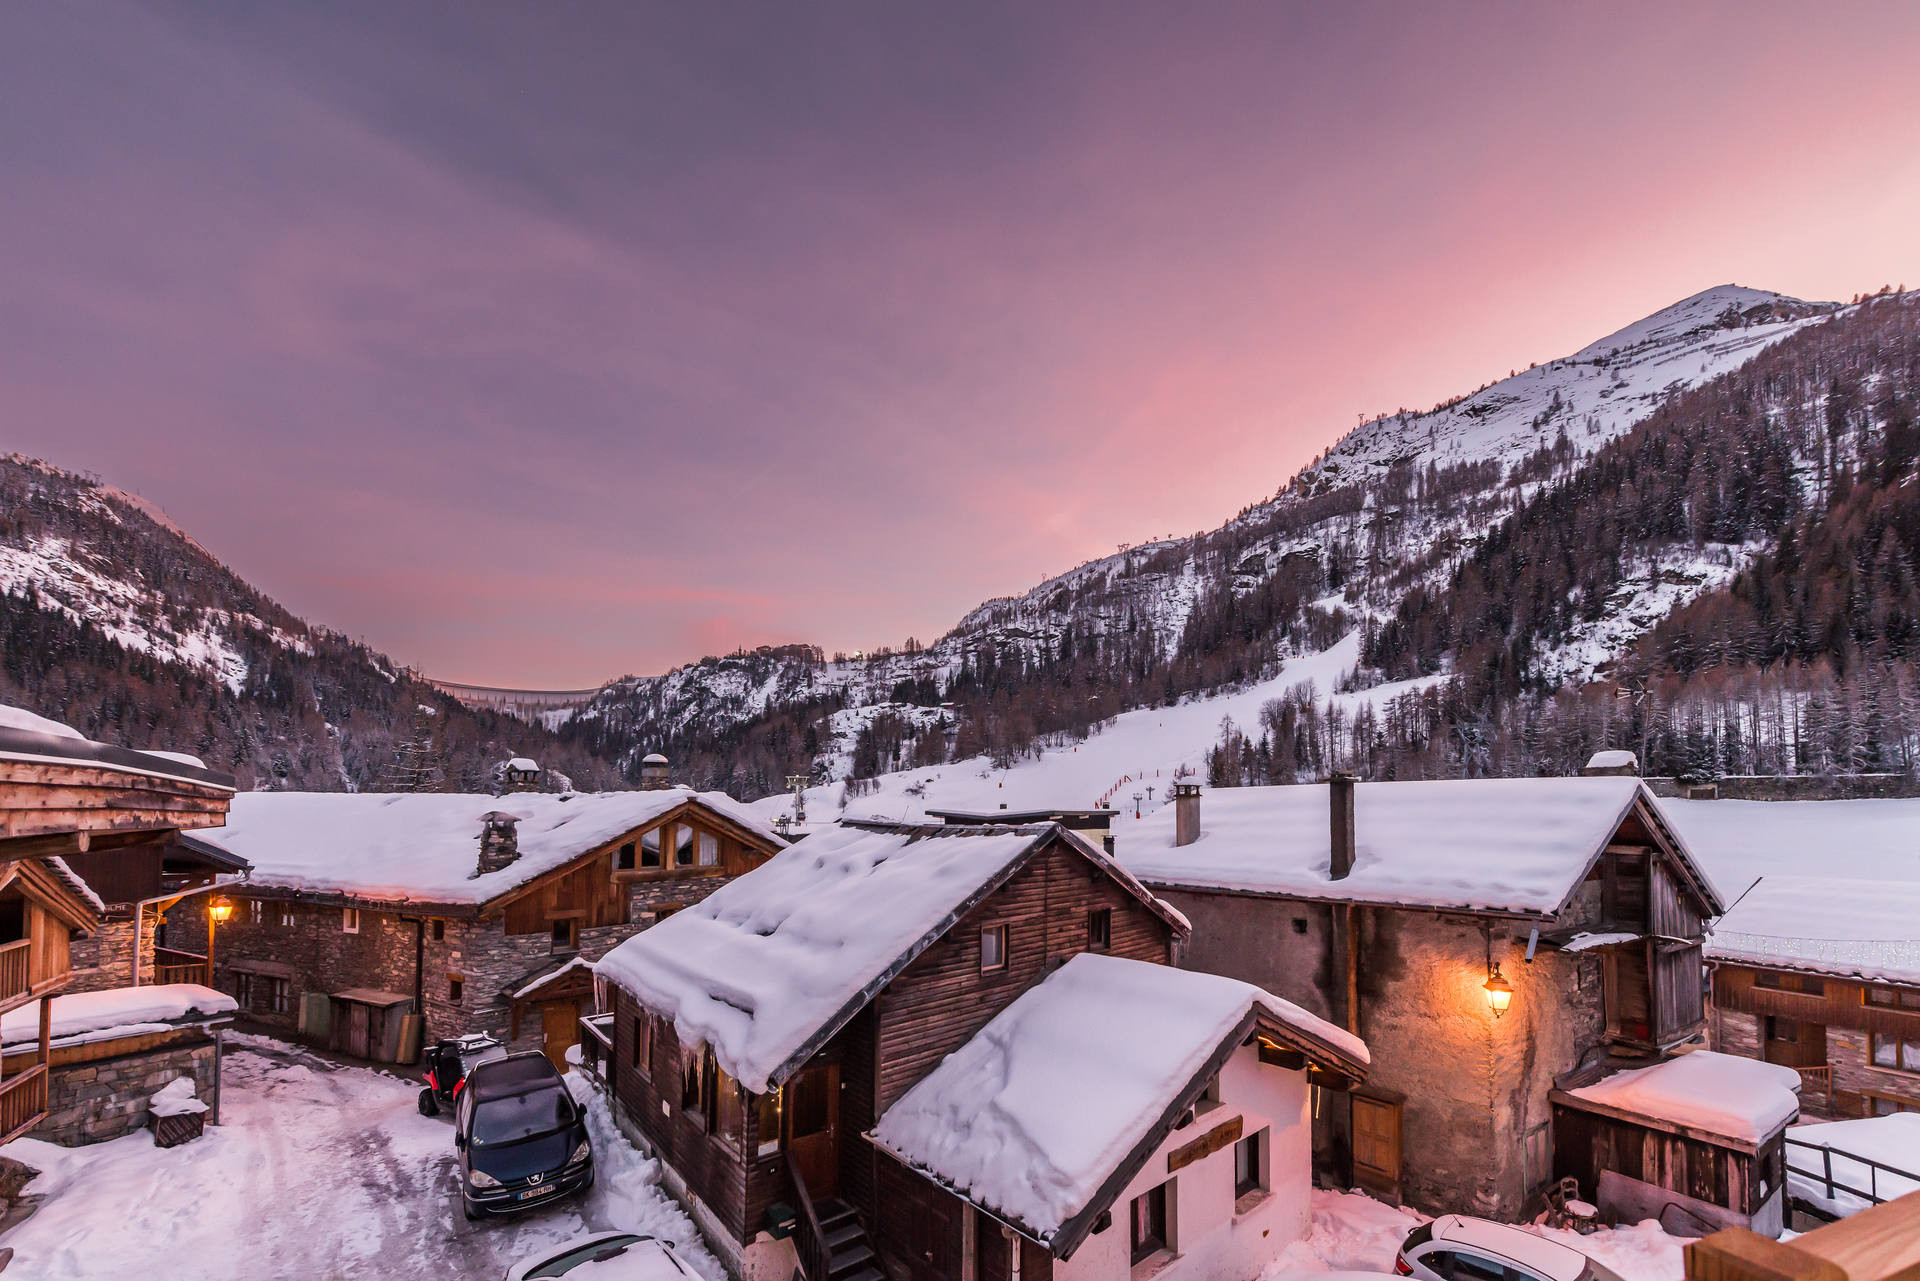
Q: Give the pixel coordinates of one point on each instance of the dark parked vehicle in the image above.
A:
(522, 1139)
(448, 1063)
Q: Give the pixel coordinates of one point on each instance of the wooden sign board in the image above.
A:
(1206, 1145)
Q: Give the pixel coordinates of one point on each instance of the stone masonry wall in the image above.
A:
(104, 958)
(1473, 1086)
(94, 1102)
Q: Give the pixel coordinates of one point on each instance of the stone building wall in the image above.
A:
(104, 958)
(315, 954)
(1790, 787)
(101, 1100)
(1473, 1086)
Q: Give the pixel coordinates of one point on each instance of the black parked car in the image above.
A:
(522, 1139)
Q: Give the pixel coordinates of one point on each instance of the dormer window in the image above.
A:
(650, 849)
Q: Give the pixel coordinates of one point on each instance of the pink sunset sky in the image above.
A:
(542, 343)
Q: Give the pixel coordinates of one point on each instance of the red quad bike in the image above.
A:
(448, 1063)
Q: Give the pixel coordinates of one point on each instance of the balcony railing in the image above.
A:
(171, 965)
(23, 1101)
(1818, 1080)
(16, 979)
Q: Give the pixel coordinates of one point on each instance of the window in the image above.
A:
(642, 1052)
(349, 920)
(1099, 929)
(256, 911)
(243, 990)
(766, 1121)
(1774, 981)
(566, 934)
(455, 987)
(1536, 1157)
(709, 849)
(682, 845)
(650, 849)
(1887, 1105)
(623, 860)
(439, 931)
(276, 996)
(1249, 1164)
(283, 915)
(1902, 1054)
(1461, 1266)
(1147, 1223)
(993, 948)
(1895, 998)
(722, 1101)
(690, 1065)
(1785, 1031)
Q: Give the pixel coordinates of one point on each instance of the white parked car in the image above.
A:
(1456, 1248)
(608, 1256)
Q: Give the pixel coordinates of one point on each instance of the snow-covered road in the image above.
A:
(317, 1172)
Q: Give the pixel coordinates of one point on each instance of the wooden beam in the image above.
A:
(57, 845)
(1738, 1254)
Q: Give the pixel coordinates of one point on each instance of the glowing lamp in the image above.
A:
(219, 909)
(1499, 992)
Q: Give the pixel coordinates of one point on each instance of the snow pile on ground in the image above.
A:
(1864, 929)
(1705, 1090)
(119, 1010)
(1422, 843)
(768, 960)
(1354, 1233)
(424, 847)
(316, 1171)
(175, 1098)
(1032, 1116)
(1889, 1140)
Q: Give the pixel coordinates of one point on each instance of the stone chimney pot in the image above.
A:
(656, 775)
(1186, 813)
(499, 843)
(1340, 825)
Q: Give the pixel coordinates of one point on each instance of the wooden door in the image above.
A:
(359, 1020)
(1376, 1145)
(1794, 1043)
(813, 1129)
(560, 1026)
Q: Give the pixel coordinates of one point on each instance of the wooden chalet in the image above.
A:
(64, 796)
(758, 1040)
(1537, 926)
(462, 912)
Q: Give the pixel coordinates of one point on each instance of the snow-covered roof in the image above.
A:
(1498, 844)
(1854, 929)
(1722, 1094)
(71, 879)
(1740, 841)
(22, 719)
(120, 1011)
(422, 847)
(523, 763)
(1074, 1080)
(773, 963)
(32, 737)
(1613, 758)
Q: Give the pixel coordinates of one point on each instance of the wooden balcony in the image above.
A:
(16, 971)
(23, 1102)
(170, 965)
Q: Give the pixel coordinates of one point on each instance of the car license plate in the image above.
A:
(531, 1193)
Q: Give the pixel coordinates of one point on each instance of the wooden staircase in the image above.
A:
(850, 1255)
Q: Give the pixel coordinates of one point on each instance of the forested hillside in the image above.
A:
(123, 627)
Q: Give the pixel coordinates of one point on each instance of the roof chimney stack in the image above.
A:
(1340, 824)
(1614, 764)
(499, 843)
(1186, 813)
(655, 774)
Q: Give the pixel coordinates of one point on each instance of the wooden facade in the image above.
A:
(1855, 1043)
(804, 1145)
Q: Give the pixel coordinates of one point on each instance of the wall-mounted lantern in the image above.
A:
(1499, 991)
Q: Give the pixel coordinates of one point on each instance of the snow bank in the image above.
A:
(1890, 1140)
(774, 957)
(1856, 929)
(1518, 844)
(1034, 1114)
(1719, 1093)
(175, 1098)
(423, 847)
(82, 1013)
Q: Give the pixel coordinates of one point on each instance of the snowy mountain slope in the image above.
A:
(1397, 501)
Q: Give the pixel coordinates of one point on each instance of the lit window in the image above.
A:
(993, 948)
(255, 911)
(349, 920)
(283, 916)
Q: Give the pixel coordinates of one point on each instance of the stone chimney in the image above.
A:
(499, 845)
(1614, 764)
(1340, 824)
(1186, 813)
(655, 774)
